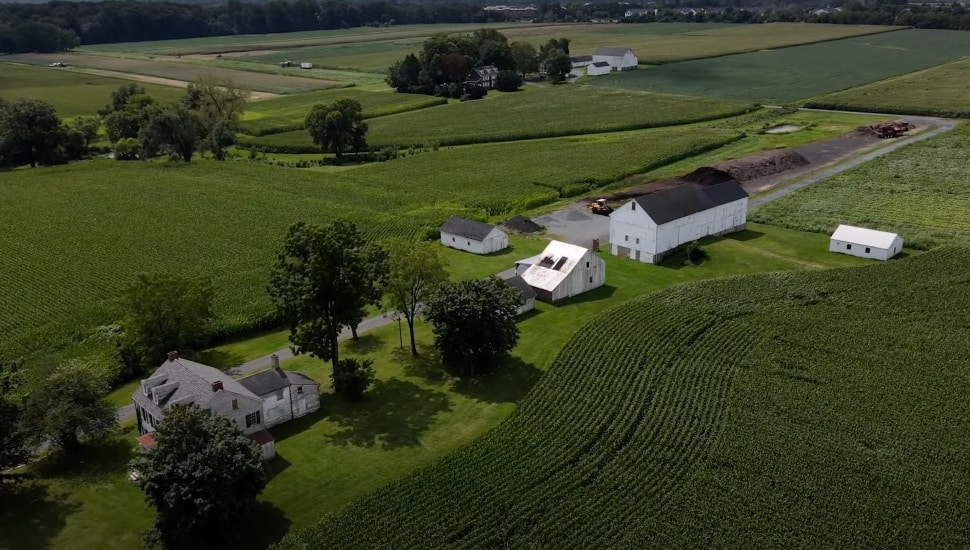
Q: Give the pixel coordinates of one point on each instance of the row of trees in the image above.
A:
(325, 277)
(32, 133)
(443, 65)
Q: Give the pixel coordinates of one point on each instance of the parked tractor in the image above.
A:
(600, 207)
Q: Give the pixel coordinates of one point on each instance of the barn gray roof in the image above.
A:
(689, 198)
(617, 52)
(467, 228)
(518, 283)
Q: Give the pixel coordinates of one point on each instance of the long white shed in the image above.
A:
(865, 243)
(472, 236)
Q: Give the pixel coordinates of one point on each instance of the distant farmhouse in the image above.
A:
(640, 12)
(620, 59)
(865, 243)
(253, 403)
(483, 76)
(564, 270)
(598, 68)
(650, 226)
(472, 236)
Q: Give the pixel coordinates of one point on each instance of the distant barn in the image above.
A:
(865, 243)
(473, 236)
(564, 270)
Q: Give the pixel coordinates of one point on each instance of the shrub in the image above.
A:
(126, 149)
(352, 377)
(508, 81)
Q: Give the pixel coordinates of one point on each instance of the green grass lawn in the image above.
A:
(416, 414)
(71, 93)
(940, 91)
(919, 191)
(797, 73)
(287, 113)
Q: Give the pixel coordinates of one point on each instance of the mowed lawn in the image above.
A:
(71, 93)
(921, 191)
(940, 91)
(413, 416)
(797, 73)
(287, 113)
(94, 225)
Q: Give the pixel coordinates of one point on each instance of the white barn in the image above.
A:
(565, 270)
(525, 291)
(472, 236)
(648, 227)
(620, 59)
(598, 68)
(865, 243)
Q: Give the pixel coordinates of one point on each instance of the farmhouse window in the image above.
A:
(253, 418)
(279, 395)
(626, 237)
(590, 280)
(299, 390)
(452, 239)
(235, 404)
(867, 250)
(633, 206)
(587, 265)
(848, 247)
(469, 243)
(638, 240)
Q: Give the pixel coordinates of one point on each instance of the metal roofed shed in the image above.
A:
(565, 270)
(865, 243)
(473, 236)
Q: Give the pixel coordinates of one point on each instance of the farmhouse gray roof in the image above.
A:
(265, 382)
(612, 52)
(518, 283)
(298, 378)
(601, 64)
(180, 381)
(689, 198)
(467, 228)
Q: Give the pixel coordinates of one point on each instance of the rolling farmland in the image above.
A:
(753, 411)
(940, 91)
(919, 191)
(120, 217)
(801, 72)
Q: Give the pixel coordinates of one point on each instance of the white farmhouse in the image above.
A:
(865, 243)
(285, 395)
(525, 291)
(565, 270)
(598, 68)
(472, 236)
(620, 59)
(648, 227)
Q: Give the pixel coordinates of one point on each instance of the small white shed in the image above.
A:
(472, 236)
(865, 243)
(620, 59)
(565, 270)
(598, 68)
(306, 65)
(525, 291)
(581, 61)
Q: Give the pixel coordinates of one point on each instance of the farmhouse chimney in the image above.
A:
(217, 385)
(276, 365)
(173, 355)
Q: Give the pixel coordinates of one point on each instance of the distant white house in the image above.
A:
(565, 270)
(527, 293)
(865, 243)
(472, 236)
(640, 12)
(650, 226)
(483, 76)
(581, 61)
(620, 59)
(598, 68)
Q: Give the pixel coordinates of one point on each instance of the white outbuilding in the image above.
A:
(472, 236)
(565, 270)
(650, 226)
(525, 291)
(620, 59)
(598, 68)
(306, 65)
(865, 243)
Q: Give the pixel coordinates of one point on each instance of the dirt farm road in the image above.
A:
(575, 224)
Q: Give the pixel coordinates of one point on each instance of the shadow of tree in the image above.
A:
(30, 515)
(746, 235)
(600, 293)
(367, 343)
(393, 414)
(95, 460)
(275, 467)
(222, 360)
(267, 526)
(427, 365)
(508, 384)
(293, 427)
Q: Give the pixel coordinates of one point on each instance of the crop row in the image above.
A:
(696, 413)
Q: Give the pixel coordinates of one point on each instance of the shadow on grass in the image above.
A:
(268, 526)
(30, 515)
(601, 293)
(508, 384)
(222, 360)
(296, 426)
(365, 344)
(746, 235)
(427, 365)
(393, 414)
(96, 460)
(275, 467)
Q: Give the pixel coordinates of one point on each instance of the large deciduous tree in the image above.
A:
(68, 404)
(556, 64)
(30, 132)
(321, 280)
(173, 128)
(13, 447)
(220, 104)
(202, 477)
(163, 313)
(338, 127)
(415, 272)
(474, 322)
(525, 57)
(127, 111)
